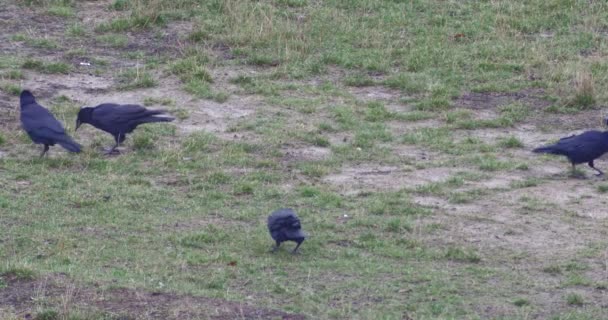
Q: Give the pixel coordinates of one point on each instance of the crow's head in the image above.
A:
(84, 116)
(26, 98)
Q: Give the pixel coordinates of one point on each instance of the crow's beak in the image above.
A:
(77, 125)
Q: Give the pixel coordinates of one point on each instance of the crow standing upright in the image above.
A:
(581, 148)
(41, 125)
(118, 120)
(284, 225)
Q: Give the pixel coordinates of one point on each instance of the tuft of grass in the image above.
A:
(376, 112)
(46, 67)
(410, 83)
(203, 90)
(584, 91)
(135, 78)
(11, 88)
(113, 40)
(359, 80)
(13, 75)
(47, 315)
(526, 183)
(61, 11)
(75, 30)
(602, 188)
(521, 302)
(575, 299)
(20, 273)
(462, 255)
(553, 269)
(510, 142)
(198, 142)
(43, 43)
(148, 101)
(120, 5)
(192, 68)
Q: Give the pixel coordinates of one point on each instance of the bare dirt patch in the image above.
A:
(492, 100)
(527, 230)
(580, 121)
(370, 177)
(292, 153)
(375, 93)
(58, 291)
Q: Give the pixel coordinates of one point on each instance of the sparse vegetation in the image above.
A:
(46, 67)
(398, 130)
(135, 78)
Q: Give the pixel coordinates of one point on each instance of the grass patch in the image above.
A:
(135, 78)
(510, 142)
(575, 299)
(197, 203)
(61, 11)
(46, 67)
(113, 40)
(20, 273)
(521, 302)
(10, 88)
(462, 255)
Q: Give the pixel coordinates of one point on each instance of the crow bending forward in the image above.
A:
(284, 225)
(41, 125)
(118, 120)
(581, 148)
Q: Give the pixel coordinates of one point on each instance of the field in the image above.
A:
(400, 131)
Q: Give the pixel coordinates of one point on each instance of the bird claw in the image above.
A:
(295, 253)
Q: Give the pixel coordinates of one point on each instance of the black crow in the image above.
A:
(581, 148)
(284, 225)
(118, 120)
(42, 127)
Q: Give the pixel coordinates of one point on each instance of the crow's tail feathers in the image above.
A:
(156, 119)
(69, 144)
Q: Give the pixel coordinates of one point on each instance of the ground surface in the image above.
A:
(400, 132)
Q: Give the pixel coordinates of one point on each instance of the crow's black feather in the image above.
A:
(41, 125)
(581, 148)
(284, 225)
(118, 120)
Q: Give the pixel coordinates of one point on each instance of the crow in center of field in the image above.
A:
(581, 148)
(284, 225)
(118, 120)
(41, 125)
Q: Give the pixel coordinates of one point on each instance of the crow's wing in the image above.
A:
(34, 117)
(586, 146)
(110, 113)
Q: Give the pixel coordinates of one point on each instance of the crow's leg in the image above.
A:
(46, 148)
(113, 149)
(276, 247)
(599, 172)
(573, 170)
(295, 250)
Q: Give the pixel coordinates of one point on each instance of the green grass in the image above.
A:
(10, 88)
(113, 40)
(135, 78)
(354, 113)
(46, 67)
